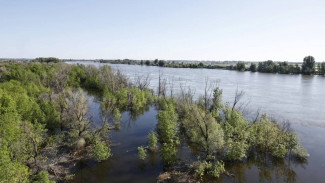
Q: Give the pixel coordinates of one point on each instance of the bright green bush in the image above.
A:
(167, 123)
(43, 177)
(142, 153)
(152, 140)
(101, 151)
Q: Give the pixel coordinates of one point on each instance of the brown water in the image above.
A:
(295, 98)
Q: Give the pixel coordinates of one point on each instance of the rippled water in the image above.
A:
(295, 98)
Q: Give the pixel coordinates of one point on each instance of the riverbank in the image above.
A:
(262, 67)
(121, 104)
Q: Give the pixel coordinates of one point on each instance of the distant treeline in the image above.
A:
(172, 64)
(308, 67)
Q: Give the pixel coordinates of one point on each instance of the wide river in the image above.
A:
(297, 99)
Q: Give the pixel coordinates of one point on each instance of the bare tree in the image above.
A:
(258, 112)
(76, 112)
(142, 82)
(171, 87)
(162, 85)
(238, 97)
(57, 79)
(206, 99)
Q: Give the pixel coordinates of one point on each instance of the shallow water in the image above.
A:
(298, 99)
(125, 165)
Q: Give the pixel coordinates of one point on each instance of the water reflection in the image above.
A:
(268, 169)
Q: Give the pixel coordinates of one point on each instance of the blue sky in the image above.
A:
(164, 29)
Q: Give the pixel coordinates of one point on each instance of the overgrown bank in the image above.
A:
(45, 128)
(60, 132)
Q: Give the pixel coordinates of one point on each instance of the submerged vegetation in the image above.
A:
(45, 126)
(44, 116)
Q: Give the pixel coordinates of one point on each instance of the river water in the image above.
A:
(294, 98)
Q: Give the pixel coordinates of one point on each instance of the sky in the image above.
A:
(248, 30)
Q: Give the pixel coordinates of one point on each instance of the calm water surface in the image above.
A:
(295, 98)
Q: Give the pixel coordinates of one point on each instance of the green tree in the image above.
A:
(308, 66)
(147, 62)
(236, 134)
(167, 126)
(203, 130)
(43, 177)
(322, 68)
(240, 66)
(161, 63)
(101, 151)
(152, 141)
(142, 153)
(253, 67)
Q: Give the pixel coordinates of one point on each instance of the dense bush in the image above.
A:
(240, 66)
(42, 108)
(308, 66)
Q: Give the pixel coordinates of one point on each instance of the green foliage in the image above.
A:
(167, 126)
(308, 66)
(202, 129)
(37, 100)
(77, 76)
(21, 133)
(152, 141)
(117, 115)
(12, 170)
(101, 151)
(322, 68)
(240, 66)
(47, 60)
(208, 168)
(147, 62)
(142, 153)
(253, 67)
(43, 177)
(268, 67)
(216, 103)
(283, 68)
(217, 169)
(127, 99)
(167, 131)
(268, 137)
(168, 152)
(52, 116)
(235, 134)
(161, 63)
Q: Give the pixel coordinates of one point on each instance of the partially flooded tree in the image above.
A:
(162, 85)
(142, 82)
(167, 131)
(206, 99)
(203, 130)
(236, 134)
(76, 112)
(216, 104)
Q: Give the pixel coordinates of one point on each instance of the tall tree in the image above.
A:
(308, 66)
